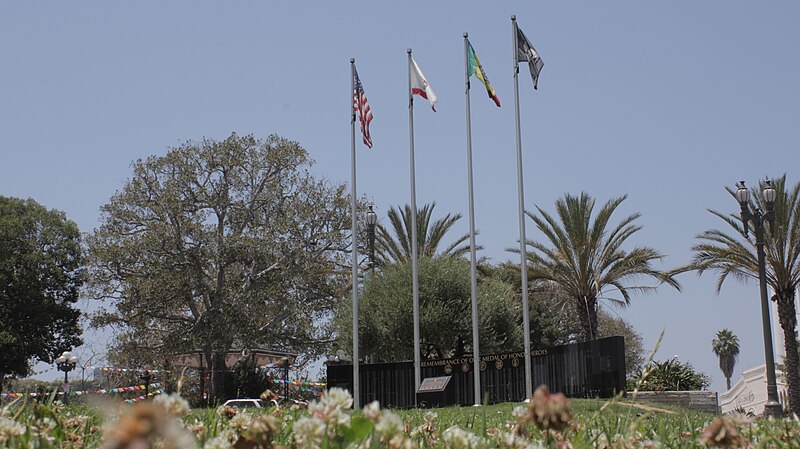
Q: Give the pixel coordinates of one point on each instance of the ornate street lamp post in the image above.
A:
(371, 219)
(759, 218)
(66, 362)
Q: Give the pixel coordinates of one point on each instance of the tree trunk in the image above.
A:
(459, 349)
(217, 328)
(729, 382)
(788, 318)
(587, 311)
(217, 382)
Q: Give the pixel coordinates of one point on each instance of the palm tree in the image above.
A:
(734, 254)
(585, 258)
(395, 246)
(726, 346)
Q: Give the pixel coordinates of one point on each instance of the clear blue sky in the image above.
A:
(668, 102)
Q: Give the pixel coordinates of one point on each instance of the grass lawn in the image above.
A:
(169, 423)
(595, 422)
(478, 418)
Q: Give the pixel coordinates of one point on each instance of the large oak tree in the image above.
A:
(221, 245)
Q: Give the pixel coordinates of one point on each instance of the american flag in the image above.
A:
(361, 106)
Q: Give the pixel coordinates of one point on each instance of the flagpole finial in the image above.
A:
(408, 51)
(352, 60)
(466, 34)
(513, 17)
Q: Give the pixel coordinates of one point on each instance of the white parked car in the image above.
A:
(244, 403)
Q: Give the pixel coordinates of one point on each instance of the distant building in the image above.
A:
(749, 394)
(260, 357)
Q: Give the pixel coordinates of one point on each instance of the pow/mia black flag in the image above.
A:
(526, 53)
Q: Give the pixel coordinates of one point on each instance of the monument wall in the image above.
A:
(590, 369)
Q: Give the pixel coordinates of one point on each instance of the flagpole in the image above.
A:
(473, 277)
(414, 255)
(354, 233)
(523, 255)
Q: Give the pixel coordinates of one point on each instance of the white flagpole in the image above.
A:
(473, 277)
(414, 255)
(523, 254)
(354, 233)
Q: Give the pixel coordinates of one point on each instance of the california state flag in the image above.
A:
(420, 85)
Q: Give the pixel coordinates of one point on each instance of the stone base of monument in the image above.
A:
(436, 392)
(700, 401)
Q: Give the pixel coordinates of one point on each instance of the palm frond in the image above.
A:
(734, 255)
(583, 253)
(394, 245)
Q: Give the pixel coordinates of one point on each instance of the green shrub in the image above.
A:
(669, 375)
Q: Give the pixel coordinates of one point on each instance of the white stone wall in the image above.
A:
(750, 392)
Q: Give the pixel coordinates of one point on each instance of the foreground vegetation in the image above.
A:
(549, 420)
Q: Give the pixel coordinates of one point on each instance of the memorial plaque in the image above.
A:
(433, 384)
(436, 392)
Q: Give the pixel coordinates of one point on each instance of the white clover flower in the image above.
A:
(308, 432)
(197, 427)
(230, 435)
(427, 428)
(399, 441)
(372, 411)
(264, 426)
(227, 411)
(458, 438)
(332, 406)
(218, 443)
(332, 417)
(511, 440)
(389, 424)
(10, 428)
(317, 408)
(537, 446)
(178, 436)
(339, 397)
(519, 411)
(173, 403)
(649, 444)
(74, 421)
(241, 422)
(45, 425)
